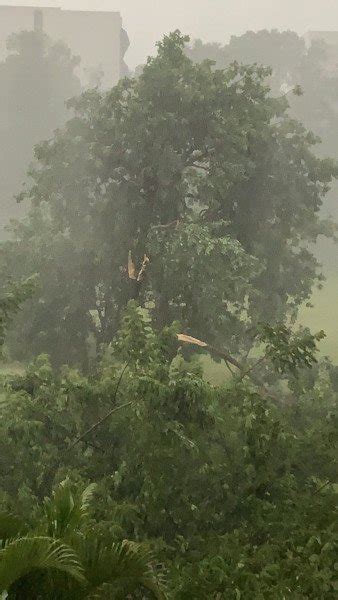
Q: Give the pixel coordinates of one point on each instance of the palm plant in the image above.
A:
(21, 557)
(67, 509)
(114, 570)
(63, 558)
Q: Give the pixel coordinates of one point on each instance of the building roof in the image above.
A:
(58, 8)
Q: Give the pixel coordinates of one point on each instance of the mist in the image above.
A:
(168, 300)
(215, 20)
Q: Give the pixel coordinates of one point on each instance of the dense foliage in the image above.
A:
(310, 69)
(233, 489)
(201, 171)
(59, 554)
(12, 295)
(179, 204)
(293, 63)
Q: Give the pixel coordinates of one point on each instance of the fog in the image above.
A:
(212, 20)
(168, 299)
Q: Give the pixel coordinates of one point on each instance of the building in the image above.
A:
(330, 41)
(100, 41)
(97, 37)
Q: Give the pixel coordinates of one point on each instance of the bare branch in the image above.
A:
(105, 418)
(229, 360)
(167, 225)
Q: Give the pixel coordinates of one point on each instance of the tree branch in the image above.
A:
(96, 425)
(229, 360)
(49, 475)
(167, 225)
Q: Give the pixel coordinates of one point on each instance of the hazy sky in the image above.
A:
(213, 20)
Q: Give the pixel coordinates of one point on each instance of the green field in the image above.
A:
(323, 315)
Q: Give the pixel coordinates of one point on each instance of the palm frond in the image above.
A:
(23, 556)
(86, 497)
(10, 526)
(125, 566)
(67, 509)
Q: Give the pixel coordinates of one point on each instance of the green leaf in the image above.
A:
(23, 556)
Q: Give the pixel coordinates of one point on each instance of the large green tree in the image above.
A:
(198, 169)
(293, 63)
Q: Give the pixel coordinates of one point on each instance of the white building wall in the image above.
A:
(94, 36)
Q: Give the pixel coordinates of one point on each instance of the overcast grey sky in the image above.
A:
(213, 20)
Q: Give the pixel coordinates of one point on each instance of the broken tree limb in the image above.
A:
(132, 273)
(228, 359)
(143, 269)
(167, 225)
(131, 267)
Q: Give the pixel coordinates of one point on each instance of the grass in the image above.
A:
(322, 316)
(13, 368)
(214, 373)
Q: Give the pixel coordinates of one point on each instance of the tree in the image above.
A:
(11, 298)
(36, 79)
(293, 65)
(232, 489)
(199, 170)
(282, 51)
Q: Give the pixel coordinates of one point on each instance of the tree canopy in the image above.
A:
(197, 169)
(232, 489)
(294, 64)
(282, 51)
(174, 213)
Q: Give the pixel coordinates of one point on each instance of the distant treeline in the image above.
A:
(293, 63)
